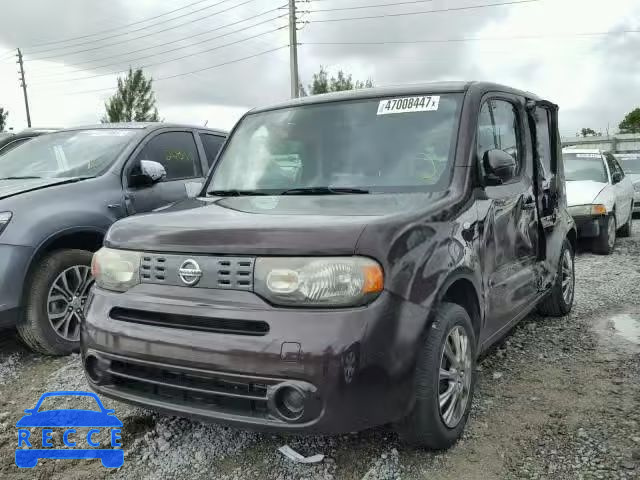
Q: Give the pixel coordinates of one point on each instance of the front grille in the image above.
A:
(190, 387)
(231, 273)
(190, 322)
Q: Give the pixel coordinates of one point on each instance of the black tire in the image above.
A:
(605, 242)
(34, 327)
(555, 304)
(425, 426)
(627, 229)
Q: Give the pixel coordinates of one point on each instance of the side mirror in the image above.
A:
(193, 189)
(499, 165)
(616, 177)
(148, 173)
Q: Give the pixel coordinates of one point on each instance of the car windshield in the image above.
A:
(68, 154)
(66, 402)
(630, 165)
(364, 146)
(584, 166)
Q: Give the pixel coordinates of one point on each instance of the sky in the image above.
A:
(212, 60)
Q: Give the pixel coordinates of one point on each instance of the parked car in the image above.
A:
(356, 286)
(599, 196)
(59, 193)
(630, 163)
(11, 141)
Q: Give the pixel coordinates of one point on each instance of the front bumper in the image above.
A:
(589, 226)
(226, 356)
(14, 262)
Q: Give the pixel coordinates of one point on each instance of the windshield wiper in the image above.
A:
(25, 177)
(324, 191)
(234, 193)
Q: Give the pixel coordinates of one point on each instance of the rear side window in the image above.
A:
(176, 152)
(544, 141)
(613, 166)
(498, 128)
(212, 144)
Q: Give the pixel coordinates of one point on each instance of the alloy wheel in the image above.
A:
(455, 376)
(567, 277)
(66, 300)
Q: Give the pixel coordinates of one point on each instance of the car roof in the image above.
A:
(144, 126)
(400, 90)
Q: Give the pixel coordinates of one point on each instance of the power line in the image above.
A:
(472, 7)
(159, 79)
(96, 67)
(358, 7)
(142, 36)
(165, 61)
(125, 26)
(473, 39)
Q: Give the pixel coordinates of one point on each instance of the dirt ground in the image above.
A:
(557, 399)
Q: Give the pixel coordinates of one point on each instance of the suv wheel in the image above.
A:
(627, 229)
(605, 242)
(560, 299)
(57, 292)
(444, 381)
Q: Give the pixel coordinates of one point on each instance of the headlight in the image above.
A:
(4, 219)
(636, 187)
(585, 210)
(117, 270)
(323, 282)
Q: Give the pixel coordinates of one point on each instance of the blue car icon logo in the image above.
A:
(69, 419)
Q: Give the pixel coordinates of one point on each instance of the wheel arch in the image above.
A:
(461, 288)
(81, 238)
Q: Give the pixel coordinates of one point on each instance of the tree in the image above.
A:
(134, 101)
(3, 119)
(587, 132)
(631, 122)
(321, 83)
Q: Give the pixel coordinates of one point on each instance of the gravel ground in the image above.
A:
(557, 399)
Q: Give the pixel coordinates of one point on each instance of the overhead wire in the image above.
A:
(99, 47)
(148, 65)
(472, 39)
(95, 67)
(423, 12)
(169, 77)
(125, 26)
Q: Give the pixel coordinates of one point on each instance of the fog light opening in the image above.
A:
(289, 401)
(95, 368)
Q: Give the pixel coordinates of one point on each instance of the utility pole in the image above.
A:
(23, 84)
(293, 50)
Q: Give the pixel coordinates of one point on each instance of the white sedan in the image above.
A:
(599, 196)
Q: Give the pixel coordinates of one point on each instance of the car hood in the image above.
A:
(9, 188)
(634, 177)
(305, 225)
(583, 192)
(69, 418)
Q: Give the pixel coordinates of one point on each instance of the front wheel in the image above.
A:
(559, 301)
(444, 381)
(605, 242)
(56, 294)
